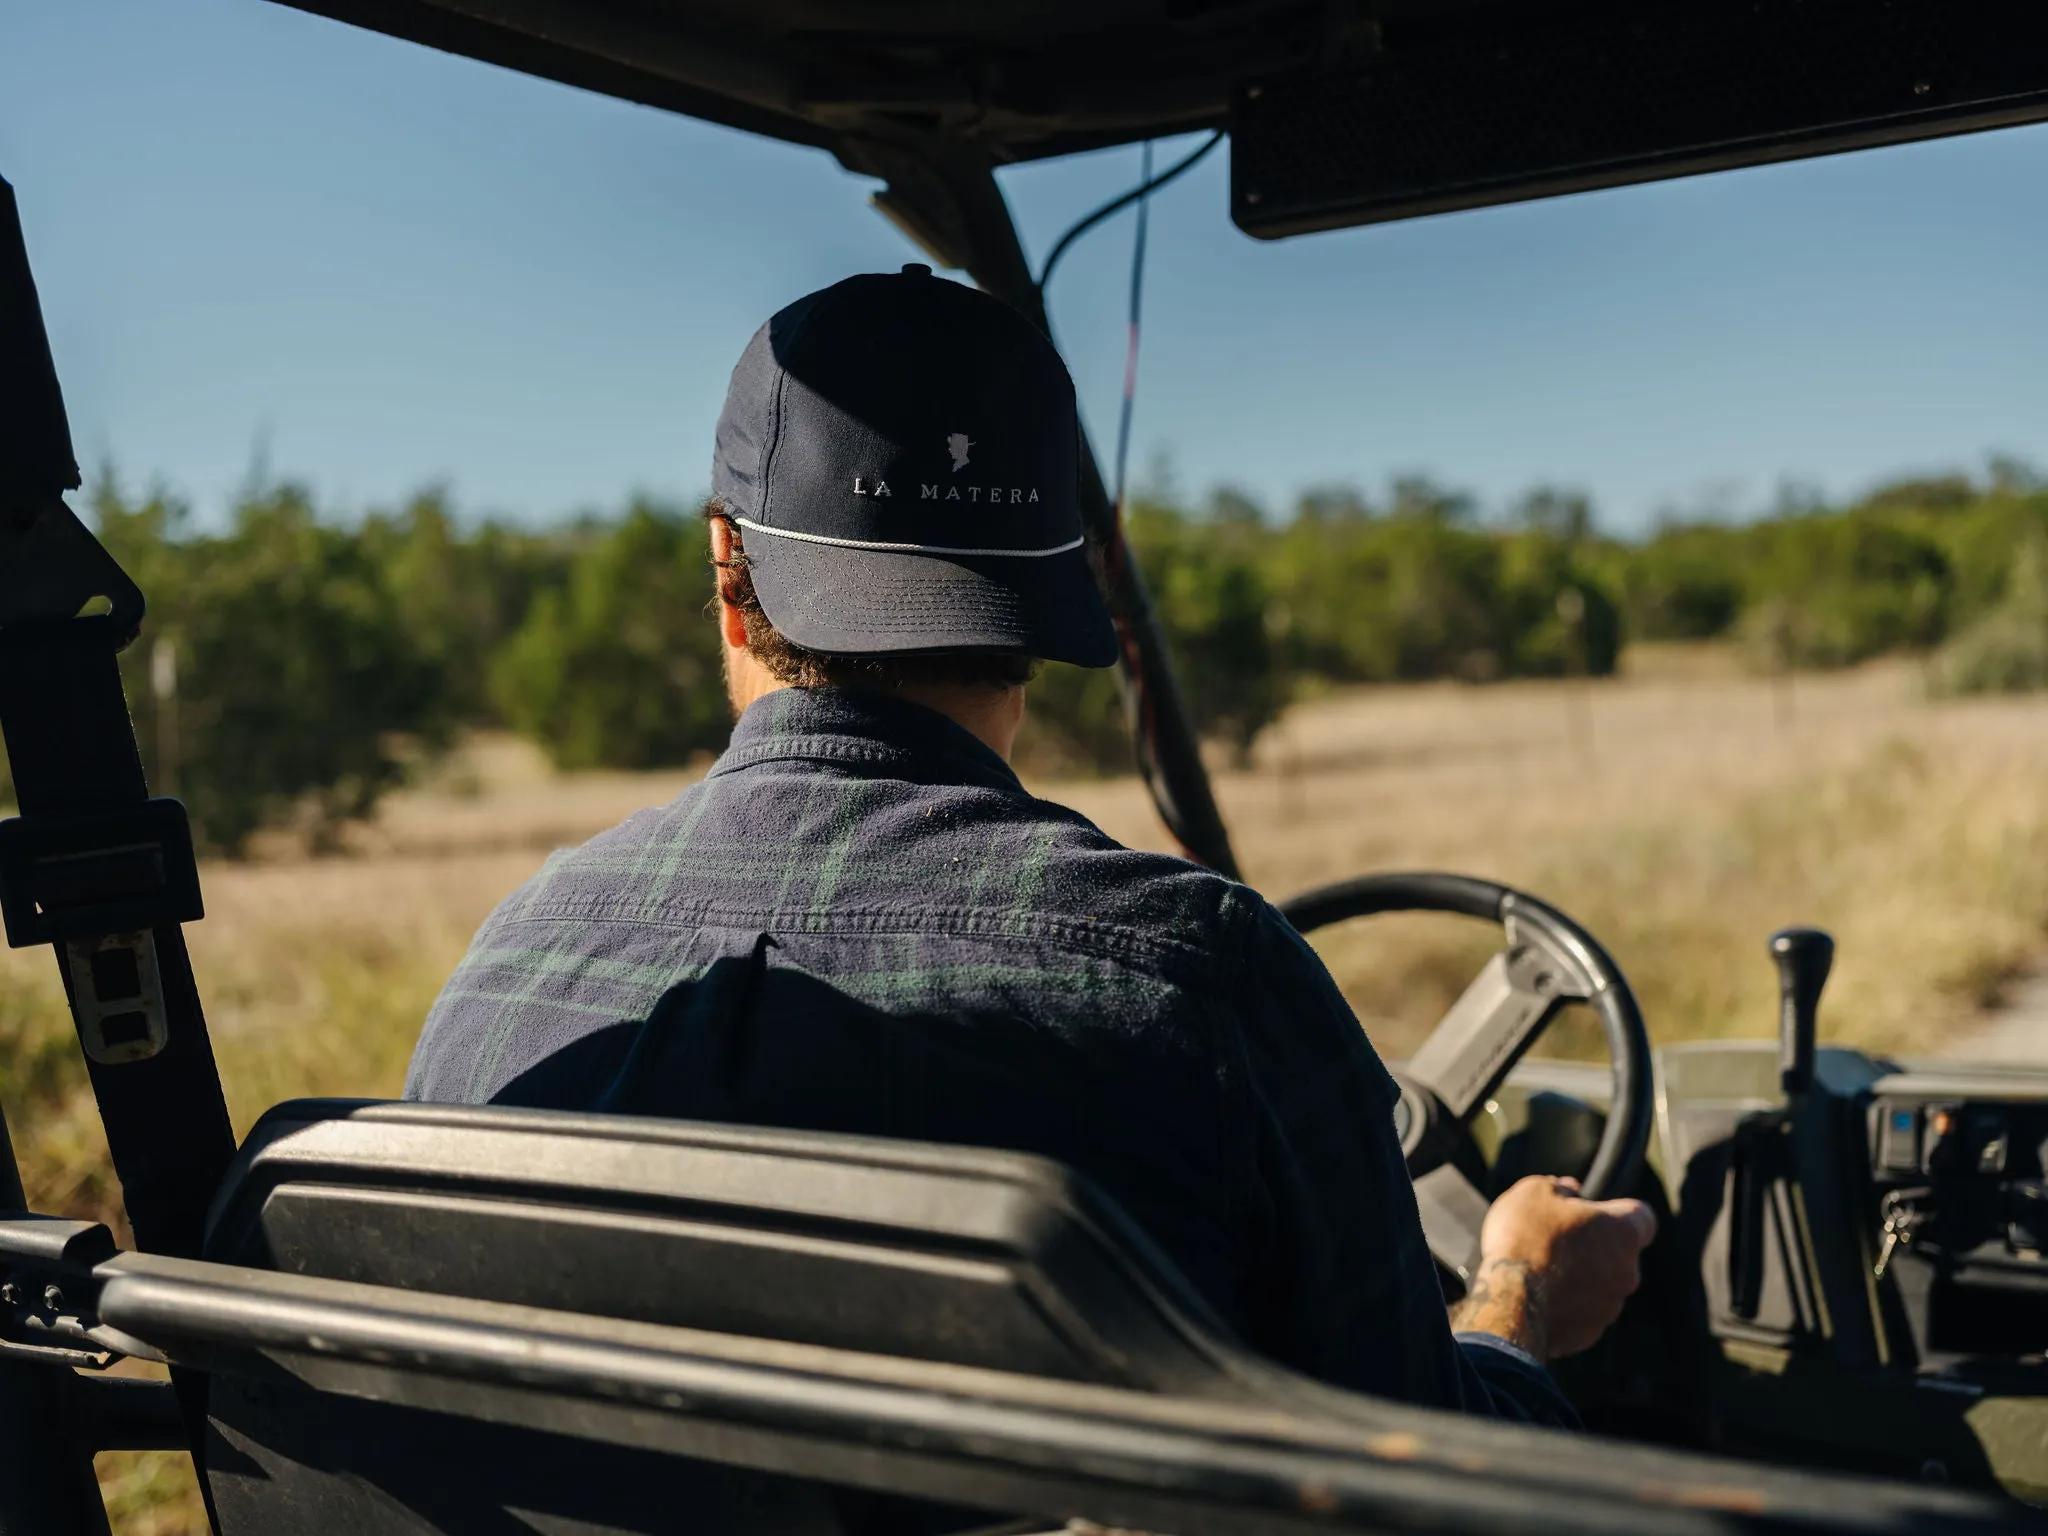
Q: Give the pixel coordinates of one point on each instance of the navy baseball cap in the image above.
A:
(902, 455)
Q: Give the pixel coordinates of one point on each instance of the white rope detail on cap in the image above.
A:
(909, 549)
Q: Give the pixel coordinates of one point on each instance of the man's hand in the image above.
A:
(1554, 1269)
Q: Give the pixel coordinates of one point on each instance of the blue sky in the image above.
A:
(259, 231)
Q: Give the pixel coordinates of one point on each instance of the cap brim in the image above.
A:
(867, 602)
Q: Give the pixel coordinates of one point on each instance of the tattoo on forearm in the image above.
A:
(1506, 1300)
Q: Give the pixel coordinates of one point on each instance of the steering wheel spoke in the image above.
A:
(1452, 1211)
(1492, 1025)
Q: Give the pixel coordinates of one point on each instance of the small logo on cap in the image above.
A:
(957, 445)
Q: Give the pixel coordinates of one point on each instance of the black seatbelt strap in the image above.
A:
(106, 875)
(92, 866)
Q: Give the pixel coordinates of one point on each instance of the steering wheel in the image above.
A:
(1549, 961)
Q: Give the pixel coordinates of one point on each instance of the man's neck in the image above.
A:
(990, 715)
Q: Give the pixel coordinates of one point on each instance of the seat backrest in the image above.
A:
(954, 1255)
(961, 1255)
(653, 1326)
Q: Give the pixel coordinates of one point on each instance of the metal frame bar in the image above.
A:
(1307, 1458)
(46, 1473)
(977, 1437)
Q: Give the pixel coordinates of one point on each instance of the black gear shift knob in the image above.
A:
(1804, 957)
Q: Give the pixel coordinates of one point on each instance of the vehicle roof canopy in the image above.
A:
(1341, 111)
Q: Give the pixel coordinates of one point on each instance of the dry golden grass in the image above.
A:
(151, 1493)
(1682, 812)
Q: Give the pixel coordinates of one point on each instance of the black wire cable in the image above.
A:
(1144, 721)
(1138, 688)
(1137, 305)
(1117, 205)
(1144, 718)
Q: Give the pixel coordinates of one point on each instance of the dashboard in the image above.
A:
(1852, 1276)
(1962, 1210)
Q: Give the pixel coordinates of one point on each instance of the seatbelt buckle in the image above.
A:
(76, 877)
(97, 886)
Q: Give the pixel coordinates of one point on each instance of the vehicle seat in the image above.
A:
(957, 1255)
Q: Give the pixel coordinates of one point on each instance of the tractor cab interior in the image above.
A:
(385, 1317)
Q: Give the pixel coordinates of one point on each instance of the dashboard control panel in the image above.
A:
(1961, 1185)
(1922, 1139)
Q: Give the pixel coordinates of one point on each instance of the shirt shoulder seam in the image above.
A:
(1110, 940)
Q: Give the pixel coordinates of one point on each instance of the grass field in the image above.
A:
(1682, 811)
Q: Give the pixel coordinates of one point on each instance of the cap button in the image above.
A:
(916, 269)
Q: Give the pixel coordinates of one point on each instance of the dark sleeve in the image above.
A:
(1345, 1289)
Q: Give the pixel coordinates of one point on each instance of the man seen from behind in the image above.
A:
(860, 921)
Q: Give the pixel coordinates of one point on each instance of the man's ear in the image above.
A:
(731, 624)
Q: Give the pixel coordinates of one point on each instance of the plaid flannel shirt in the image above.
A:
(860, 921)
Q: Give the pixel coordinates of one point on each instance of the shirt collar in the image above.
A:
(861, 726)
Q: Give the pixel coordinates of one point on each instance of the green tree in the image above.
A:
(1927, 493)
(315, 662)
(1556, 617)
(1377, 599)
(1836, 588)
(1688, 582)
(462, 594)
(620, 667)
(2005, 650)
(1210, 591)
(1564, 515)
(301, 693)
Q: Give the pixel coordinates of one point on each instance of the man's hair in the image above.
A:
(791, 663)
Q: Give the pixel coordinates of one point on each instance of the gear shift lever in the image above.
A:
(1758, 1160)
(1804, 956)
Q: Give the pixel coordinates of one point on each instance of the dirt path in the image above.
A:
(2017, 1032)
